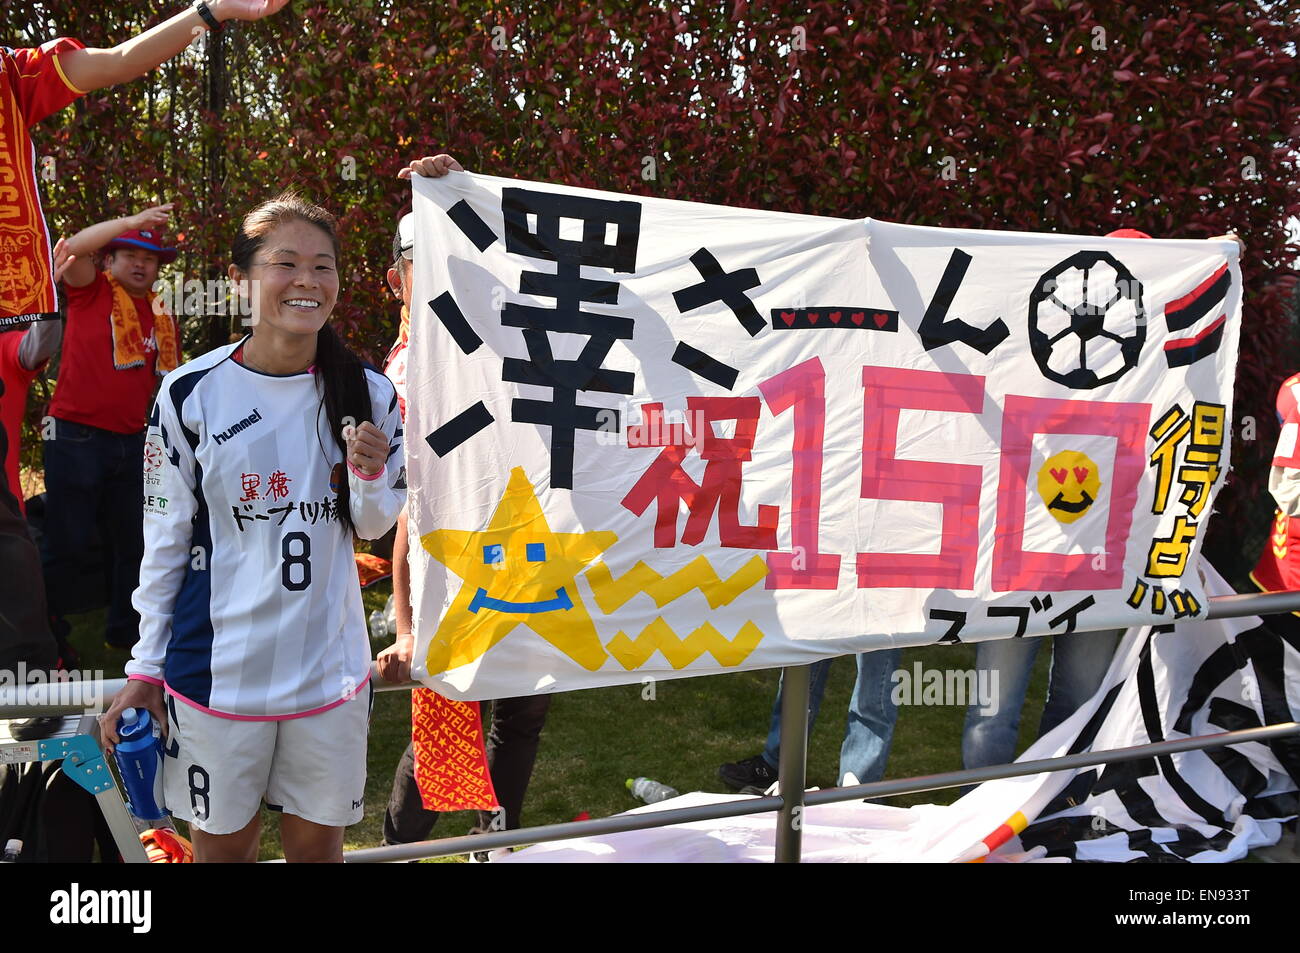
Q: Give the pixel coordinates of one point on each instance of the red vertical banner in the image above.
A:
(803, 388)
(451, 769)
(887, 391)
(1022, 418)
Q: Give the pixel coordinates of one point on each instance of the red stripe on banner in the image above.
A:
(1179, 303)
(1192, 342)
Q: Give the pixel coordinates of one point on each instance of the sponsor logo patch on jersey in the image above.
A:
(238, 427)
(154, 453)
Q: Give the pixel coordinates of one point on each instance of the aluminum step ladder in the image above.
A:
(75, 741)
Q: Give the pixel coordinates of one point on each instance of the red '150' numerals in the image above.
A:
(955, 486)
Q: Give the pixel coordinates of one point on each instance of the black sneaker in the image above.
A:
(753, 772)
(34, 729)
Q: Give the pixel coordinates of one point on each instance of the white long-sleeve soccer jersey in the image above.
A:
(249, 601)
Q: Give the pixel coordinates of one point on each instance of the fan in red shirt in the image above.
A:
(118, 342)
(111, 360)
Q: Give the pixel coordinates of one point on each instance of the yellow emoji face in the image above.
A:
(1069, 484)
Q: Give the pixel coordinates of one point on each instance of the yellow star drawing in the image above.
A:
(516, 572)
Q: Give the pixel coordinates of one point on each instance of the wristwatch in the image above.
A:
(207, 16)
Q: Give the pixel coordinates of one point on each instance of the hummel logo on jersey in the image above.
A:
(235, 428)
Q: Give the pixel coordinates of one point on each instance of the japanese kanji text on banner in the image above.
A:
(658, 438)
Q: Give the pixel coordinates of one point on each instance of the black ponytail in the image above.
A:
(345, 398)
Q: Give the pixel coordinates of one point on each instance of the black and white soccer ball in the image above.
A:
(1087, 323)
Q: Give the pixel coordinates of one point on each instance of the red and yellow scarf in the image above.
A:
(128, 335)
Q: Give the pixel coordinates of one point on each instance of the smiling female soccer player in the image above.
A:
(262, 460)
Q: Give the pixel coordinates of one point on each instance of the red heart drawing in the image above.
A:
(881, 320)
(1081, 473)
(858, 317)
(835, 317)
(1059, 475)
(813, 316)
(787, 317)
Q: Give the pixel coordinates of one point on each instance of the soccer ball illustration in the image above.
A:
(1087, 324)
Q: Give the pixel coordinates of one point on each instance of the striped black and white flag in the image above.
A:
(1208, 805)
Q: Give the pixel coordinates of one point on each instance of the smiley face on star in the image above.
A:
(515, 572)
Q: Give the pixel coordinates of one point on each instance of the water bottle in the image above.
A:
(13, 848)
(139, 761)
(383, 623)
(644, 789)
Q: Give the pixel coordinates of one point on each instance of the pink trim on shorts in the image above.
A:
(145, 678)
(301, 714)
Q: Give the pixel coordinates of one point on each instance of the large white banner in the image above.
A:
(658, 438)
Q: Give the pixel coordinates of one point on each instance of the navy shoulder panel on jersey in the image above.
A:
(186, 378)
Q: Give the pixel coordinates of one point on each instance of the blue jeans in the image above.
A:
(94, 480)
(1079, 663)
(872, 714)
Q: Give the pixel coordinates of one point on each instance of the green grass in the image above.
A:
(596, 739)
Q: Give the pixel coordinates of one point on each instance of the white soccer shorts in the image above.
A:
(217, 770)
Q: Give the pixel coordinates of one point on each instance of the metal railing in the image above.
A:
(790, 801)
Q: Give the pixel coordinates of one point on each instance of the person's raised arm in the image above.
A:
(91, 69)
(83, 245)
